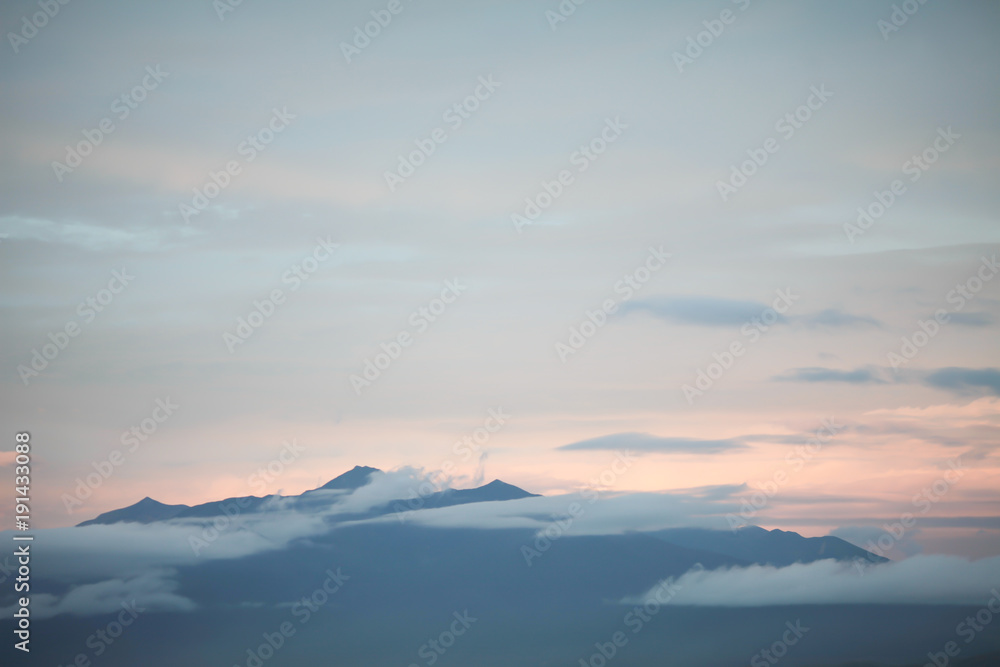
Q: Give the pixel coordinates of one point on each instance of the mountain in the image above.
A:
(146, 510)
(149, 510)
(766, 547)
(495, 490)
(536, 603)
(354, 478)
(245, 504)
(376, 591)
(748, 545)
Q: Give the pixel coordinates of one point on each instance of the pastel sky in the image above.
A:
(661, 132)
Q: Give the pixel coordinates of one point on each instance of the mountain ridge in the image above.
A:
(149, 510)
(748, 545)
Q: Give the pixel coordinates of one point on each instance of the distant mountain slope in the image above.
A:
(764, 547)
(146, 510)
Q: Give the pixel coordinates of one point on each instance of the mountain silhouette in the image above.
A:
(748, 545)
(148, 510)
(516, 579)
(354, 478)
(766, 547)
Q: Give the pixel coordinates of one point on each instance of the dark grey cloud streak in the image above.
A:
(644, 442)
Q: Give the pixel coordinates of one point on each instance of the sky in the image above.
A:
(631, 228)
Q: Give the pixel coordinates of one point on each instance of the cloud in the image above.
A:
(601, 513)
(866, 375)
(127, 550)
(404, 483)
(971, 319)
(716, 491)
(986, 407)
(130, 550)
(917, 580)
(699, 310)
(716, 312)
(644, 442)
(151, 591)
(962, 381)
(965, 380)
(95, 237)
(832, 317)
(132, 560)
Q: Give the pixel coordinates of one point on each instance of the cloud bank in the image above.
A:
(917, 580)
(152, 591)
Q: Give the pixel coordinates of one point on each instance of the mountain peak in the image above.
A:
(146, 510)
(495, 490)
(149, 510)
(500, 484)
(354, 478)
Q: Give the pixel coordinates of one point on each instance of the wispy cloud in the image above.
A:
(150, 591)
(715, 491)
(699, 310)
(645, 442)
(971, 319)
(917, 580)
(962, 381)
(867, 375)
(832, 317)
(96, 237)
(614, 514)
(715, 312)
(966, 380)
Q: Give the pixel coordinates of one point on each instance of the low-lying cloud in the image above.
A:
(151, 591)
(601, 513)
(917, 580)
